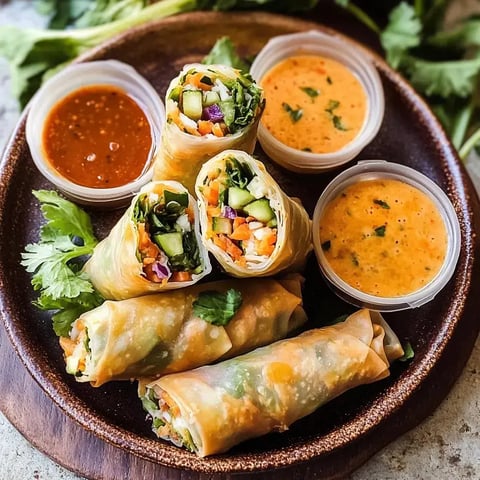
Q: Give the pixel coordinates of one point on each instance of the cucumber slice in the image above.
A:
(238, 197)
(210, 98)
(228, 109)
(175, 94)
(222, 225)
(260, 210)
(170, 243)
(192, 104)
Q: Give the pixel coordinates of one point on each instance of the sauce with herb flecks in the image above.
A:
(313, 103)
(383, 237)
(98, 137)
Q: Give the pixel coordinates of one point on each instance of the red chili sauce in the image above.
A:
(97, 137)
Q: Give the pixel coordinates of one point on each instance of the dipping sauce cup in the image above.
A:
(94, 130)
(324, 100)
(386, 237)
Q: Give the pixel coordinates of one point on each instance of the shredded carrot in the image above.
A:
(250, 219)
(217, 130)
(145, 245)
(234, 251)
(267, 244)
(213, 211)
(204, 127)
(195, 79)
(242, 232)
(211, 191)
(220, 241)
(238, 221)
(181, 277)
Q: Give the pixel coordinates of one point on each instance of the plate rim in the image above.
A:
(148, 449)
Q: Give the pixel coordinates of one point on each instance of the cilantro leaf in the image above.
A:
(216, 307)
(295, 115)
(381, 203)
(467, 34)
(408, 352)
(456, 77)
(64, 216)
(223, 53)
(311, 92)
(402, 33)
(55, 261)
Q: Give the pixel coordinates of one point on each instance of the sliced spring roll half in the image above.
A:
(157, 334)
(156, 245)
(209, 108)
(210, 409)
(248, 223)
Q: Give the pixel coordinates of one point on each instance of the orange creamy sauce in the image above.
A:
(313, 103)
(98, 137)
(383, 237)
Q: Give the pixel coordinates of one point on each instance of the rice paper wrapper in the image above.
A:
(182, 154)
(294, 227)
(216, 407)
(115, 269)
(157, 334)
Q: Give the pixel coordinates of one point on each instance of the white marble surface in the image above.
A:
(445, 446)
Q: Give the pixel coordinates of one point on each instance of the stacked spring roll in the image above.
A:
(209, 108)
(155, 246)
(162, 333)
(248, 223)
(213, 408)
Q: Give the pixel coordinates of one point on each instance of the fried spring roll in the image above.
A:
(210, 409)
(156, 334)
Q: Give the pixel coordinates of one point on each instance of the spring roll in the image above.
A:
(213, 408)
(155, 246)
(158, 334)
(248, 223)
(209, 108)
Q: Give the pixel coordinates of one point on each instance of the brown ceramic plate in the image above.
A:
(344, 433)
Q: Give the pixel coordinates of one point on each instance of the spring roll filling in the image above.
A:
(242, 221)
(212, 104)
(78, 352)
(167, 421)
(167, 246)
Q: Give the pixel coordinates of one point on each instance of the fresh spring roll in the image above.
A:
(155, 246)
(157, 334)
(209, 108)
(213, 408)
(248, 223)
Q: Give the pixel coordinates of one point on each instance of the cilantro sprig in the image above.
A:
(55, 261)
(442, 64)
(216, 307)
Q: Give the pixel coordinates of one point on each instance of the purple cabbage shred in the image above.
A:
(229, 212)
(213, 113)
(162, 271)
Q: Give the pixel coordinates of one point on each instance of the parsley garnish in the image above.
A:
(408, 352)
(380, 231)
(311, 92)
(55, 261)
(216, 307)
(383, 204)
(337, 121)
(295, 115)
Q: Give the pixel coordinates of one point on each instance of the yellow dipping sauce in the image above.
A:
(313, 103)
(383, 237)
